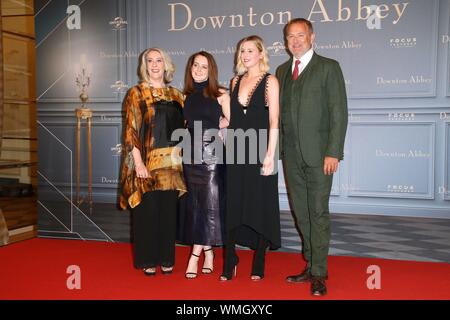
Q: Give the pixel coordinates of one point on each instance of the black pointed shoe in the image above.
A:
(318, 286)
(305, 276)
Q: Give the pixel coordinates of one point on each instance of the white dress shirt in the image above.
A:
(304, 60)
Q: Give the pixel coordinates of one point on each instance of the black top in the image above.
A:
(168, 116)
(197, 107)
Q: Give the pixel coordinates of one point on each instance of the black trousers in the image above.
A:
(154, 229)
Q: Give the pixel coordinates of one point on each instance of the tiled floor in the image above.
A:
(387, 237)
(400, 238)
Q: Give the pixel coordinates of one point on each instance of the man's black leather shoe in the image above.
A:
(318, 286)
(305, 276)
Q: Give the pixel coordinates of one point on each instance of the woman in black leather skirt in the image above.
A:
(206, 103)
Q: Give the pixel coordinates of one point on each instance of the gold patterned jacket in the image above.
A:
(163, 163)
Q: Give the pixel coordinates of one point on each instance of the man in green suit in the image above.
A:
(314, 120)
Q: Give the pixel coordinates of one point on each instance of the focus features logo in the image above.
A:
(400, 188)
(277, 49)
(118, 23)
(352, 117)
(401, 116)
(408, 42)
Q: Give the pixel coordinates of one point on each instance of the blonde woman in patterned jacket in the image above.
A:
(152, 176)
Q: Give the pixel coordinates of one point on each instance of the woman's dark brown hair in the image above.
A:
(212, 90)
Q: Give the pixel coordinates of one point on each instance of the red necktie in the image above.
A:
(296, 72)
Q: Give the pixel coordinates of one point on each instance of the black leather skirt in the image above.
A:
(202, 208)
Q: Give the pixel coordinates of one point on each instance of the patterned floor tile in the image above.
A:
(398, 255)
(388, 237)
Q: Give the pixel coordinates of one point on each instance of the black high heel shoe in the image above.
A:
(258, 263)
(208, 270)
(230, 269)
(258, 269)
(192, 275)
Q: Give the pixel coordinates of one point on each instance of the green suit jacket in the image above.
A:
(313, 110)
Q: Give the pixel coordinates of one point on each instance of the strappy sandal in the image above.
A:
(151, 271)
(166, 270)
(192, 275)
(206, 270)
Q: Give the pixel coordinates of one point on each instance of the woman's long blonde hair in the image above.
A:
(259, 43)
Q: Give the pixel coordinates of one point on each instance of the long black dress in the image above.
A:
(252, 199)
(203, 206)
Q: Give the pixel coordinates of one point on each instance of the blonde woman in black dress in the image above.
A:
(252, 215)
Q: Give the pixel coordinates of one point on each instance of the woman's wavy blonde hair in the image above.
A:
(259, 43)
(169, 67)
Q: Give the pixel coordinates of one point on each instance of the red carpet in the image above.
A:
(36, 269)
